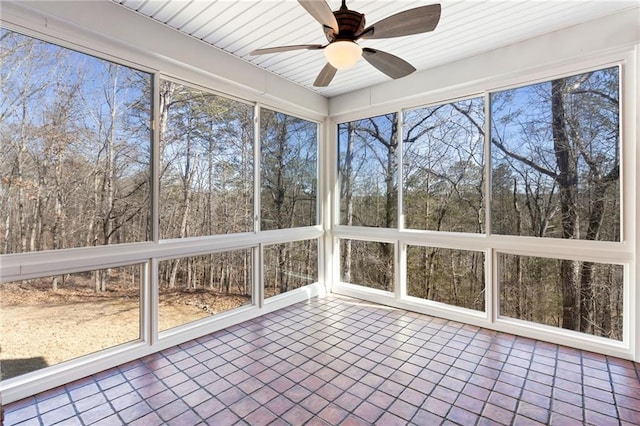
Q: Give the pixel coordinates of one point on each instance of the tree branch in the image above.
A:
(524, 160)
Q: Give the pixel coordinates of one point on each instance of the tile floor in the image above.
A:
(342, 361)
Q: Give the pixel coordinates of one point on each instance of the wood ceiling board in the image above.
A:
(170, 10)
(132, 4)
(466, 28)
(206, 17)
(190, 12)
(244, 41)
(151, 7)
(224, 23)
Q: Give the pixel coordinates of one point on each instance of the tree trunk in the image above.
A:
(280, 190)
(586, 297)
(190, 169)
(567, 181)
(391, 199)
(211, 184)
(455, 281)
(20, 177)
(429, 262)
(212, 270)
(189, 278)
(520, 306)
(282, 255)
(347, 179)
(108, 189)
(227, 277)
(174, 273)
(389, 207)
(587, 302)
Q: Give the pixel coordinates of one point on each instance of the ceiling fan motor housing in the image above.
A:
(350, 23)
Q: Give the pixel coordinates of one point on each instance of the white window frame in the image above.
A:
(615, 252)
(19, 266)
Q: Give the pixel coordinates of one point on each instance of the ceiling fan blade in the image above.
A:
(286, 48)
(325, 76)
(413, 21)
(389, 64)
(322, 13)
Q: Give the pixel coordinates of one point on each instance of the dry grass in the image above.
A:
(40, 327)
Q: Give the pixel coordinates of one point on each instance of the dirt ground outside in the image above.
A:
(40, 327)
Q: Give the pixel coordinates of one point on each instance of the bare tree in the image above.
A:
(569, 186)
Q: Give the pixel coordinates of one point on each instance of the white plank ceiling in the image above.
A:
(466, 28)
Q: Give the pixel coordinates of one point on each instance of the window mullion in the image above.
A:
(256, 169)
(155, 161)
(492, 302)
(400, 266)
(487, 164)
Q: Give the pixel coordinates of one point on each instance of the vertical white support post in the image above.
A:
(491, 300)
(151, 296)
(152, 302)
(323, 204)
(331, 202)
(258, 257)
(400, 267)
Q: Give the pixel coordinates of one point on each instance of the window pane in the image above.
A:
(443, 167)
(192, 288)
(289, 152)
(556, 158)
(454, 277)
(49, 320)
(580, 296)
(368, 167)
(75, 148)
(206, 174)
(367, 263)
(289, 266)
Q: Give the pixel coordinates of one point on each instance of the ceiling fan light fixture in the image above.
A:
(343, 54)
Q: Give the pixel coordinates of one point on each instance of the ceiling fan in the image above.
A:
(344, 27)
